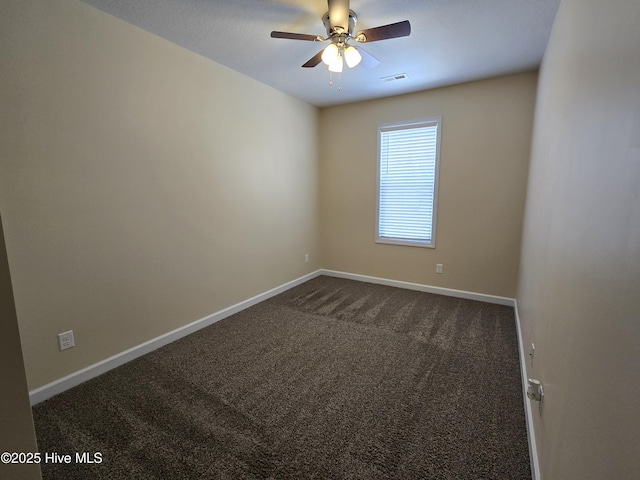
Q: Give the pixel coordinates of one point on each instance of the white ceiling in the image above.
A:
(451, 41)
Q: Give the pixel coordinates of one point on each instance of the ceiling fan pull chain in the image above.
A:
(339, 80)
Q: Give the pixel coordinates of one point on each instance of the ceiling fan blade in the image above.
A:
(368, 61)
(315, 60)
(339, 14)
(393, 30)
(295, 36)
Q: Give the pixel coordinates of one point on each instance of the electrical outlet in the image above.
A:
(306, 258)
(65, 340)
(438, 268)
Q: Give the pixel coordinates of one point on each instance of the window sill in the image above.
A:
(406, 243)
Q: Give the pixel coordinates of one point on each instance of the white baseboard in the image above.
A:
(58, 386)
(531, 435)
(481, 297)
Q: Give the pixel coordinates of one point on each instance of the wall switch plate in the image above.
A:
(65, 340)
(438, 268)
(306, 258)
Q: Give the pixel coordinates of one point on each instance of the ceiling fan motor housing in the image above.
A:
(353, 19)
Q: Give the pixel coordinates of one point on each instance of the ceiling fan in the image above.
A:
(340, 22)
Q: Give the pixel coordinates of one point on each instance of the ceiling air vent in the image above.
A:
(393, 78)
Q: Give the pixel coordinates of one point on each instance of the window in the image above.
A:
(408, 157)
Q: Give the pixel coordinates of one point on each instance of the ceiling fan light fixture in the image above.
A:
(330, 54)
(352, 56)
(340, 22)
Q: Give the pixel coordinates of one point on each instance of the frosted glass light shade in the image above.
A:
(330, 54)
(352, 56)
(336, 65)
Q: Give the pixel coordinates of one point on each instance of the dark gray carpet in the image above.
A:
(333, 379)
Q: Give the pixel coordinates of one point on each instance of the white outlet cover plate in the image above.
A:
(65, 340)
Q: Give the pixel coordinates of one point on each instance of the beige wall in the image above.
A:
(579, 294)
(486, 134)
(16, 423)
(142, 187)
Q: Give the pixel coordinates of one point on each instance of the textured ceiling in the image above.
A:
(451, 41)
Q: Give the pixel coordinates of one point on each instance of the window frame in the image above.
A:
(418, 123)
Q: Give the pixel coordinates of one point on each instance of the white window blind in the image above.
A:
(407, 182)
